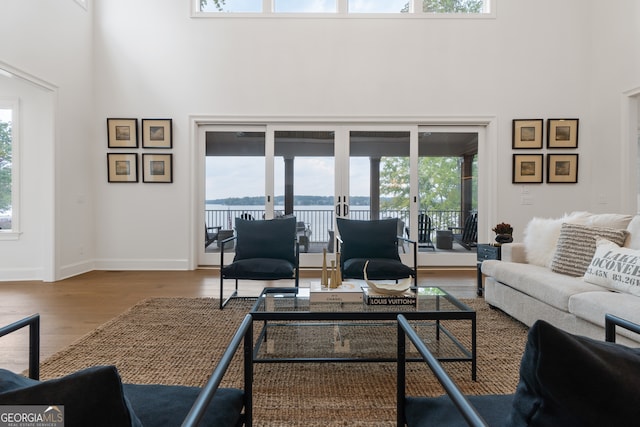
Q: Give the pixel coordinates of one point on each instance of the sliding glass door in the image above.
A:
(427, 177)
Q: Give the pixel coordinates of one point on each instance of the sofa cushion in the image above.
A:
(577, 244)
(592, 306)
(538, 282)
(615, 268)
(168, 405)
(273, 238)
(608, 220)
(568, 380)
(93, 396)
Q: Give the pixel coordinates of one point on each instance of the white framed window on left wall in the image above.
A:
(9, 164)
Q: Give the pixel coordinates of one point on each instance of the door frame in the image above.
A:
(487, 157)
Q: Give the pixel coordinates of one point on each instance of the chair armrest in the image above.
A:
(244, 334)
(513, 252)
(33, 322)
(467, 410)
(610, 323)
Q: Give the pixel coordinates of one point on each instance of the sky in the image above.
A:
(310, 6)
(313, 176)
(5, 115)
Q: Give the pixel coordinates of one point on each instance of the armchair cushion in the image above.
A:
(168, 405)
(259, 269)
(369, 239)
(378, 269)
(573, 380)
(93, 396)
(273, 238)
(441, 411)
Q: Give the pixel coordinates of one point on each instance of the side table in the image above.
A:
(486, 251)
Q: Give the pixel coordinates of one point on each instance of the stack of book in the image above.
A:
(372, 297)
(347, 292)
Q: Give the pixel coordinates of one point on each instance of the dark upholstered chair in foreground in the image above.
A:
(265, 250)
(96, 396)
(375, 241)
(565, 380)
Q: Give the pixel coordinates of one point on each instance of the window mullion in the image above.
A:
(267, 6)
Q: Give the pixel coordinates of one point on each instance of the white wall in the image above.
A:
(533, 61)
(51, 42)
(542, 59)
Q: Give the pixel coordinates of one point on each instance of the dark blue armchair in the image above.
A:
(565, 380)
(375, 241)
(265, 250)
(96, 397)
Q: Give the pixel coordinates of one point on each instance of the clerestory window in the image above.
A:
(405, 8)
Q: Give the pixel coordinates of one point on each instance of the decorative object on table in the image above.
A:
(338, 270)
(332, 276)
(122, 133)
(157, 168)
(122, 167)
(347, 292)
(527, 169)
(387, 288)
(157, 133)
(324, 278)
(562, 133)
(562, 168)
(371, 297)
(527, 134)
(504, 233)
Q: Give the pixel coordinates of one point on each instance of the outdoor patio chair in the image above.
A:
(375, 241)
(210, 235)
(467, 236)
(565, 380)
(425, 228)
(265, 250)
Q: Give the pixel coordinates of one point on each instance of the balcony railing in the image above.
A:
(320, 221)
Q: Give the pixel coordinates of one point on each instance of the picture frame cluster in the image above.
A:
(123, 167)
(528, 134)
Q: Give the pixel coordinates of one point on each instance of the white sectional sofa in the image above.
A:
(564, 272)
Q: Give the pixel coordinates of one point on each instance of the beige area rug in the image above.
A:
(179, 340)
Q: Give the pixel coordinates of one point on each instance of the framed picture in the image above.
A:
(562, 168)
(157, 168)
(122, 133)
(122, 167)
(527, 169)
(562, 133)
(156, 133)
(527, 133)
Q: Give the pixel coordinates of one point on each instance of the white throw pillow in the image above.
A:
(541, 236)
(615, 268)
(633, 241)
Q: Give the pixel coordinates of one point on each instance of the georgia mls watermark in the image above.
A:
(31, 416)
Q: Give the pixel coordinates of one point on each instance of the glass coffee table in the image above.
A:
(294, 329)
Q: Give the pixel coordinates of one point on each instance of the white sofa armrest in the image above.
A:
(514, 252)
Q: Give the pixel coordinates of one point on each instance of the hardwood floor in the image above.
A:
(74, 307)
